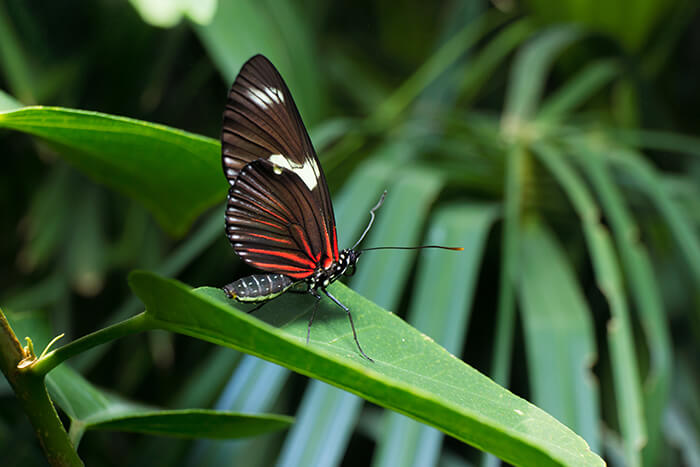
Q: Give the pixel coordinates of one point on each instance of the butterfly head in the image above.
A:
(346, 262)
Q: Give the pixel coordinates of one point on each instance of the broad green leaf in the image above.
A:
(175, 174)
(559, 335)
(440, 307)
(411, 373)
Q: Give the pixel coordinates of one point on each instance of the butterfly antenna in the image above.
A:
(371, 219)
(453, 248)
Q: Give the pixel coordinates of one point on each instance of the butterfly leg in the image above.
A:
(313, 314)
(261, 304)
(352, 325)
(257, 307)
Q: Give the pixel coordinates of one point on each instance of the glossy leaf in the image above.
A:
(432, 385)
(175, 174)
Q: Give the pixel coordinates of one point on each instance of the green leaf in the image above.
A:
(190, 423)
(175, 174)
(432, 385)
(559, 335)
(440, 307)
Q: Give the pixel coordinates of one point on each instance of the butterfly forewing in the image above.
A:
(279, 216)
(261, 119)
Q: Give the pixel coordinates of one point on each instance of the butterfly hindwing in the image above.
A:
(271, 223)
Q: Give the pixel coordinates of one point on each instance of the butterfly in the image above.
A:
(279, 214)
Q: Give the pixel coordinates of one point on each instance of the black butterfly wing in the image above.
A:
(272, 223)
(263, 134)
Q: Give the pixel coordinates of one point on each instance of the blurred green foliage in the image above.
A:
(556, 140)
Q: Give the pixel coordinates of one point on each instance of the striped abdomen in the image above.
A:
(258, 287)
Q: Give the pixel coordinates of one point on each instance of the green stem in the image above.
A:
(133, 325)
(34, 399)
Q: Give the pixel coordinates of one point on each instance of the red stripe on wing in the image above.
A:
(283, 254)
(329, 249)
(335, 244)
(263, 208)
(299, 235)
(272, 239)
(277, 226)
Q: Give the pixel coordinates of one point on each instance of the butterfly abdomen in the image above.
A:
(258, 287)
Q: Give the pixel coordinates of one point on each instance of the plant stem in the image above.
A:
(34, 399)
(133, 325)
